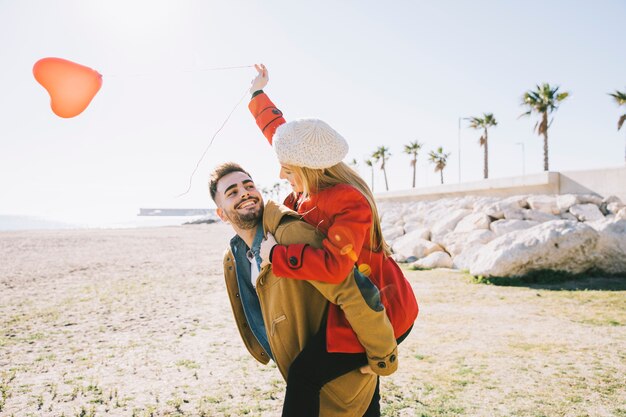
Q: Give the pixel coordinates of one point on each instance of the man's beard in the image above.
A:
(248, 220)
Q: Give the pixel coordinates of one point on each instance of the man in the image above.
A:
(276, 317)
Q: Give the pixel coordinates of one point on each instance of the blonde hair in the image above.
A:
(315, 180)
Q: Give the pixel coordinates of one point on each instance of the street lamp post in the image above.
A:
(523, 158)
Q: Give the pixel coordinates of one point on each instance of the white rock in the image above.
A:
(399, 258)
(621, 214)
(590, 199)
(610, 253)
(614, 207)
(565, 201)
(448, 222)
(390, 215)
(501, 227)
(498, 209)
(465, 259)
(513, 214)
(410, 227)
(482, 204)
(457, 242)
(434, 260)
(586, 212)
(411, 245)
(559, 245)
(612, 199)
(473, 221)
(544, 203)
(569, 216)
(539, 216)
(392, 232)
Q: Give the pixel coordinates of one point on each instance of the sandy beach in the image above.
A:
(136, 322)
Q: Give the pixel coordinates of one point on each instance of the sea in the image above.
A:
(17, 222)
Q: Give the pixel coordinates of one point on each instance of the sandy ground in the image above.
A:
(137, 322)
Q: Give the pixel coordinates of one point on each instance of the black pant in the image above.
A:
(314, 367)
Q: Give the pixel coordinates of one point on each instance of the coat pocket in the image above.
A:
(275, 322)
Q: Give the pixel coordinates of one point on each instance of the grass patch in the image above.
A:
(187, 363)
(558, 280)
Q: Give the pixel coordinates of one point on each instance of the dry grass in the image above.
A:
(136, 323)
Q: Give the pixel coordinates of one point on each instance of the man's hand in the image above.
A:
(266, 247)
(260, 81)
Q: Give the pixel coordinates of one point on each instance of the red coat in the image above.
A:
(343, 214)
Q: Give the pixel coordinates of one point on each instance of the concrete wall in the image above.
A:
(604, 182)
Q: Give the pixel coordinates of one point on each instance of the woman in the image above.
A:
(334, 198)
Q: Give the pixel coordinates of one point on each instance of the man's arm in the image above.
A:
(358, 298)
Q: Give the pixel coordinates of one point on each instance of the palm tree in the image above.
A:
(440, 159)
(484, 123)
(382, 154)
(620, 99)
(370, 164)
(543, 101)
(412, 149)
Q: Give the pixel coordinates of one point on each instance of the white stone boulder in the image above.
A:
(621, 214)
(473, 221)
(434, 260)
(391, 215)
(569, 216)
(399, 258)
(558, 245)
(411, 227)
(614, 207)
(610, 252)
(513, 214)
(447, 223)
(590, 199)
(586, 212)
(457, 242)
(392, 232)
(545, 203)
(501, 227)
(611, 199)
(498, 209)
(464, 260)
(565, 201)
(539, 216)
(412, 245)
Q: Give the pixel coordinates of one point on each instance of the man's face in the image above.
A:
(238, 200)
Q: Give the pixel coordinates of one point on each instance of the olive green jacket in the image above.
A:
(293, 311)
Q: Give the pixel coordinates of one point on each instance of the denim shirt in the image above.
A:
(249, 296)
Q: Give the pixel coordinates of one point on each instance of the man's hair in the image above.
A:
(221, 171)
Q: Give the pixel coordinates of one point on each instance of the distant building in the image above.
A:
(175, 212)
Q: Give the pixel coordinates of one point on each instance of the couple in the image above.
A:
(310, 282)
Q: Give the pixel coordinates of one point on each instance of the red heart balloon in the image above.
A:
(71, 86)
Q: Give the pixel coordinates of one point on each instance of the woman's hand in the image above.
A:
(260, 81)
(367, 370)
(266, 248)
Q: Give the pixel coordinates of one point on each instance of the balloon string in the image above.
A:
(223, 68)
(246, 92)
(178, 71)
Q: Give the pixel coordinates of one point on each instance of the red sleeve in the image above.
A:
(341, 248)
(267, 116)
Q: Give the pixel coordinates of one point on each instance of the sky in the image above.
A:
(380, 73)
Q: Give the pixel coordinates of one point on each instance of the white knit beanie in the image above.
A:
(309, 143)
